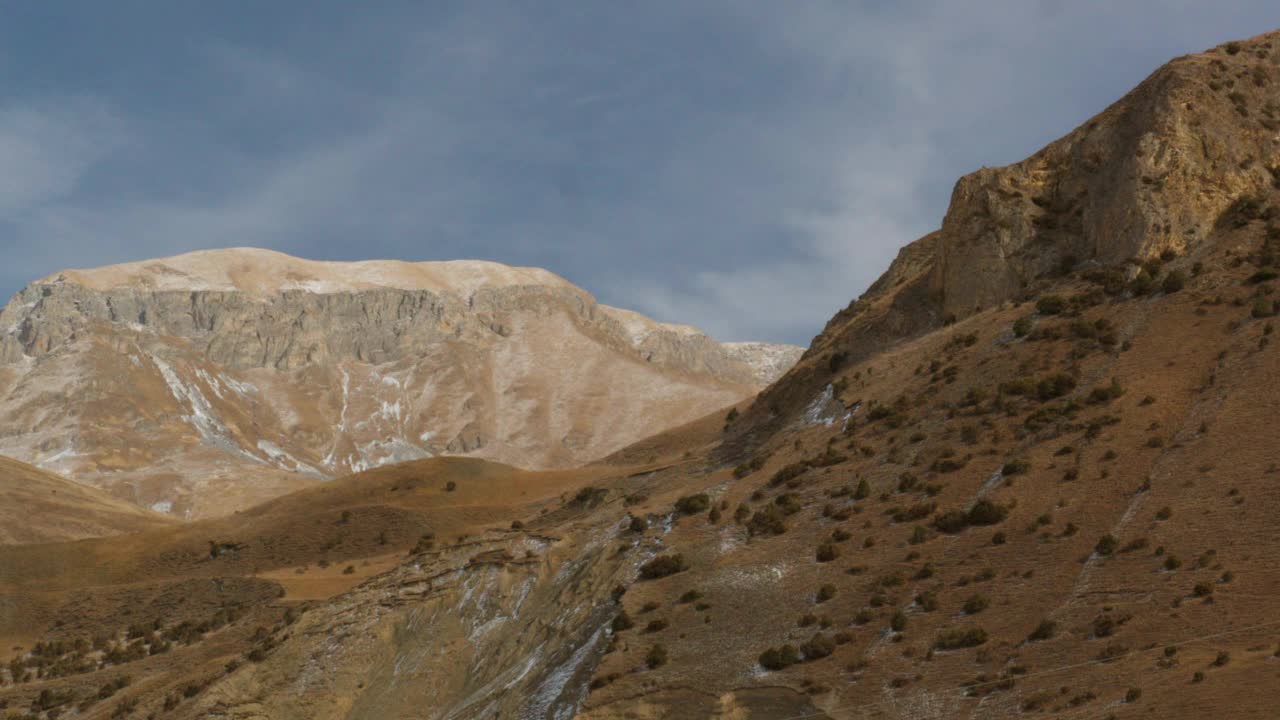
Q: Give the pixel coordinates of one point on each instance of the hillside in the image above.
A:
(1031, 473)
(208, 382)
(37, 507)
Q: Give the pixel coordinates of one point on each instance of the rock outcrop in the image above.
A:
(1154, 173)
(165, 381)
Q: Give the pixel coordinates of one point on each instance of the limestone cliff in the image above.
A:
(165, 381)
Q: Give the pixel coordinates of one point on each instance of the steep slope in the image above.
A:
(207, 382)
(1152, 173)
(37, 507)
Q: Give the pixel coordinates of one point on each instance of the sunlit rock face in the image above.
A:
(207, 382)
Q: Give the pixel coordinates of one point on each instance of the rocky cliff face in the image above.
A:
(165, 381)
(1156, 172)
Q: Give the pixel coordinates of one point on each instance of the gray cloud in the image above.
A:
(746, 167)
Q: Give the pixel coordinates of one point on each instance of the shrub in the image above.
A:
(862, 491)
(690, 596)
(1022, 326)
(622, 621)
(817, 647)
(1174, 281)
(779, 658)
(1133, 695)
(638, 524)
(985, 512)
(450, 486)
(958, 638)
(975, 604)
(1015, 467)
(827, 552)
(1264, 274)
(898, 622)
(951, 521)
(1055, 386)
(1051, 305)
(656, 625)
(662, 566)
(788, 473)
(767, 521)
(693, 504)
(915, 512)
(1172, 563)
(1107, 544)
(1045, 630)
(656, 657)
(825, 593)
(424, 544)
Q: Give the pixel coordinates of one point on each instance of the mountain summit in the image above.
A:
(208, 381)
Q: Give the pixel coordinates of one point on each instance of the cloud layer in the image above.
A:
(747, 167)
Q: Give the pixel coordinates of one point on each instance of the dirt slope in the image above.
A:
(37, 506)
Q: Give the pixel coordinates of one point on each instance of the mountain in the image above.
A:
(1044, 488)
(204, 383)
(39, 507)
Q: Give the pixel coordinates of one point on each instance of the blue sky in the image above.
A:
(747, 167)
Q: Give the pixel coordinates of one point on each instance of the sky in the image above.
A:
(745, 166)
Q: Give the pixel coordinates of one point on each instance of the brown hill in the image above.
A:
(37, 506)
(1058, 504)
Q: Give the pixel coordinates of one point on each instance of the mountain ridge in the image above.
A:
(230, 358)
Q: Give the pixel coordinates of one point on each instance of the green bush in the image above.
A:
(622, 621)
(655, 625)
(779, 658)
(985, 512)
(817, 647)
(1045, 630)
(975, 604)
(767, 521)
(662, 566)
(1055, 386)
(863, 490)
(898, 622)
(693, 504)
(1107, 545)
(825, 593)
(1051, 305)
(1174, 281)
(1017, 466)
(958, 638)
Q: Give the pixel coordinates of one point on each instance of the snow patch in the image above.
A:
(202, 417)
(824, 409)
